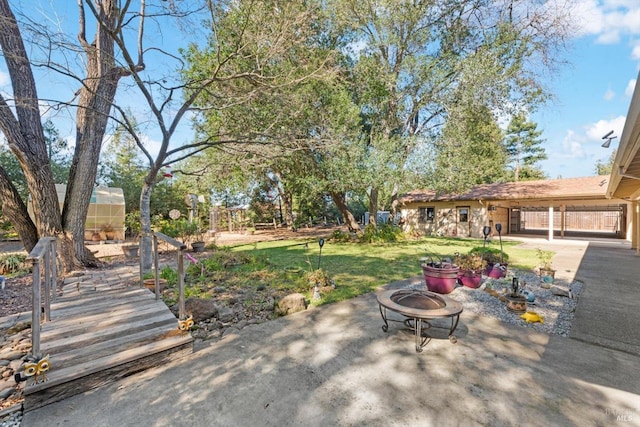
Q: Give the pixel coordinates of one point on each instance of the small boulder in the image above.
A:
(292, 303)
(200, 308)
(226, 314)
(561, 292)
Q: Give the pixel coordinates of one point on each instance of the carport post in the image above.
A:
(550, 222)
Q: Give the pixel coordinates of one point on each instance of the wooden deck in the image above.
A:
(98, 336)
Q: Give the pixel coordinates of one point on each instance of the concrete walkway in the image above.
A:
(335, 366)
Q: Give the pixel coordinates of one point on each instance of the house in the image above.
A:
(558, 207)
(624, 182)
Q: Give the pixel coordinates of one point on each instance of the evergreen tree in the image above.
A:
(604, 168)
(524, 148)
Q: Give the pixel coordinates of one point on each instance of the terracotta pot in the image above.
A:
(440, 279)
(151, 284)
(470, 278)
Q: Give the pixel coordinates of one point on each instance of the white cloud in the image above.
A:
(608, 20)
(609, 95)
(572, 145)
(630, 88)
(596, 131)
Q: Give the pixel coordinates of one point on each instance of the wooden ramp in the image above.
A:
(99, 337)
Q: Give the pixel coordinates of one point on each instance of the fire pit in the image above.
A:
(419, 307)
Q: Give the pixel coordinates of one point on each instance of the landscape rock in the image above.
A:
(560, 292)
(200, 308)
(226, 314)
(292, 303)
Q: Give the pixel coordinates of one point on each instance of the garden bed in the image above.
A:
(557, 311)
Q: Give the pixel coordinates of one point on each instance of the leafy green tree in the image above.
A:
(58, 152)
(469, 151)
(524, 148)
(415, 62)
(605, 167)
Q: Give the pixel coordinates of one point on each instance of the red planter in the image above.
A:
(496, 271)
(441, 278)
(470, 278)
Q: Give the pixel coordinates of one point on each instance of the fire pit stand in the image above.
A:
(419, 307)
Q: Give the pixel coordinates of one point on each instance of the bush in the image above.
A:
(383, 233)
(491, 255)
(340, 236)
(12, 263)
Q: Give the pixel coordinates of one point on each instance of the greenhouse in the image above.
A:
(105, 217)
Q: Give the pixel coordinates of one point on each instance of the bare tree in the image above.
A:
(26, 140)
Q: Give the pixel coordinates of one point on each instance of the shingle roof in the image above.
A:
(591, 186)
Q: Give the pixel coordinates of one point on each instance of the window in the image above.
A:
(427, 214)
(463, 214)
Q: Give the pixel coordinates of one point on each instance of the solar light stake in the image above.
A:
(499, 230)
(486, 230)
(321, 243)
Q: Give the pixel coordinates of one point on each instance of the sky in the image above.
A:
(591, 94)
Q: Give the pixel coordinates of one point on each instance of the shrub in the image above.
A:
(12, 263)
(340, 236)
(383, 233)
(491, 255)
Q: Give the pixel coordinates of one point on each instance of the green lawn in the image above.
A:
(358, 268)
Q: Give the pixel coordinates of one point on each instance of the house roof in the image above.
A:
(625, 174)
(568, 188)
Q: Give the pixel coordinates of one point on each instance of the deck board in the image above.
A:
(97, 337)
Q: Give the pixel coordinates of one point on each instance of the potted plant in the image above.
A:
(496, 261)
(470, 274)
(198, 245)
(440, 277)
(516, 302)
(109, 232)
(544, 264)
(149, 282)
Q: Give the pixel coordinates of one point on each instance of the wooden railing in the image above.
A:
(181, 248)
(43, 258)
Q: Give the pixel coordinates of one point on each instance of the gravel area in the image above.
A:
(557, 311)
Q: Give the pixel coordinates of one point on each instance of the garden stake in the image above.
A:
(316, 291)
(499, 229)
(485, 231)
(321, 243)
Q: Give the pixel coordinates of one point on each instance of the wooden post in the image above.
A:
(156, 287)
(181, 309)
(47, 285)
(550, 222)
(54, 267)
(35, 315)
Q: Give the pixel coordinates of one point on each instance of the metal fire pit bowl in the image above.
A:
(419, 307)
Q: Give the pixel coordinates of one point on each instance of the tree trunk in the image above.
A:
(146, 256)
(347, 216)
(25, 136)
(14, 209)
(96, 97)
(373, 206)
(287, 201)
